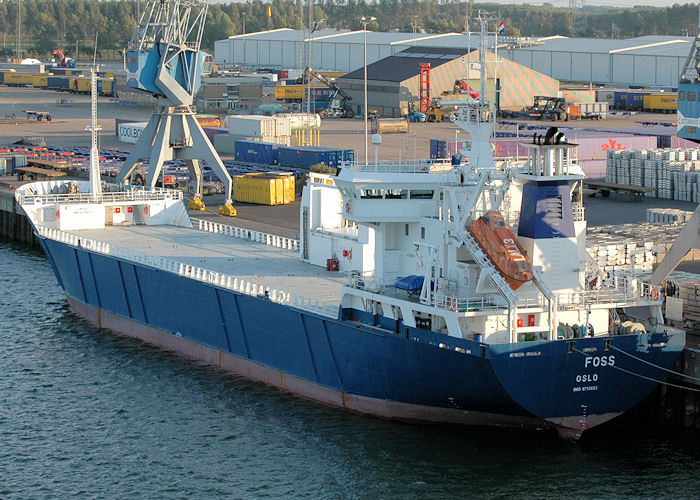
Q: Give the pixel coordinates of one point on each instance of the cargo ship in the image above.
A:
(387, 304)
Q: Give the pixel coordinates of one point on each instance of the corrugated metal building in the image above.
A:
(646, 60)
(394, 81)
(331, 50)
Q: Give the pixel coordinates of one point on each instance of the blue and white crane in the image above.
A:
(164, 59)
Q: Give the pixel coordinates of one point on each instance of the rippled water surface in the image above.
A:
(86, 414)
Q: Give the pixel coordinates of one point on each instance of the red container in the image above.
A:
(332, 264)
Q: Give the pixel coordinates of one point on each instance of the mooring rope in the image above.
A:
(655, 366)
(644, 376)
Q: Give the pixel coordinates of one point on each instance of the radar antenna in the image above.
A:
(164, 59)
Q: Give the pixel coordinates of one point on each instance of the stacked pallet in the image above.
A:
(668, 216)
(671, 173)
(621, 246)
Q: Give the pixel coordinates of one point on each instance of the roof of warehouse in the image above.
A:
(396, 38)
(643, 45)
(405, 64)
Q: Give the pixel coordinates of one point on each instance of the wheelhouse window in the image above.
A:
(421, 194)
(371, 194)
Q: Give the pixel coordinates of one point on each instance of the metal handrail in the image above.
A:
(194, 272)
(246, 234)
(151, 194)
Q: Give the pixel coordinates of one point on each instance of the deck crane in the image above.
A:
(343, 108)
(164, 59)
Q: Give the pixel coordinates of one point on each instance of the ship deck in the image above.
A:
(254, 262)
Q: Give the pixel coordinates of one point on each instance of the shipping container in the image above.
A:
(389, 125)
(620, 100)
(264, 188)
(306, 156)
(19, 79)
(299, 92)
(59, 82)
(2, 77)
(594, 169)
(606, 95)
(256, 152)
(225, 144)
(597, 147)
(635, 100)
(252, 126)
(209, 120)
(661, 103)
(302, 121)
(130, 132)
(3, 168)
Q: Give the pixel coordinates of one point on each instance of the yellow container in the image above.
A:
(264, 189)
(296, 92)
(82, 85)
(19, 78)
(40, 80)
(665, 103)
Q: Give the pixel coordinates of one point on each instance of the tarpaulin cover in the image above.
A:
(412, 283)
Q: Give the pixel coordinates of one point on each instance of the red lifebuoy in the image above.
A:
(347, 207)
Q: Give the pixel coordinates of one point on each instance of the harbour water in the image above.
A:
(86, 414)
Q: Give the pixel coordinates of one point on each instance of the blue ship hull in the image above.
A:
(410, 374)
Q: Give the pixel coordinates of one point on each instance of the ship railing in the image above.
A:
(222, 280)
(361, 280)
(418, 167)
(579, 212)
(466, 304)
(246, 234)
(616, 290)
(150, 194)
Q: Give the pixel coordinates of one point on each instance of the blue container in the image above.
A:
(256, 152)
(348, 155)
(303, 156)
(58, 82)
(2, 77)
(620, 100)
(635, 100)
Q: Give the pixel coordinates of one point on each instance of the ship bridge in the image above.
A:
(393, 192)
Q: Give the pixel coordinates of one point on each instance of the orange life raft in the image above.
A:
(502, 247)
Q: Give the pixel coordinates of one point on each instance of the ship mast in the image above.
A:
(95, 179)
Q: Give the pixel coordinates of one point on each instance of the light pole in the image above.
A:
(366, 20)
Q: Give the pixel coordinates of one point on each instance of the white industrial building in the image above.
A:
(646, 61)
(331, 50)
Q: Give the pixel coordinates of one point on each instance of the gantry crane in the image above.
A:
(164, 58)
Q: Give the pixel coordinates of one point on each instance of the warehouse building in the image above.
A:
(394, 82)
(645, 61)
(332, 50)
(641, 61)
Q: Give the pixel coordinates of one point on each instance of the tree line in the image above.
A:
(74, 25)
